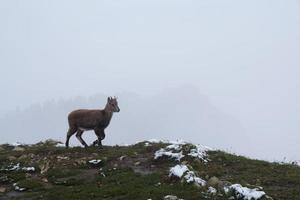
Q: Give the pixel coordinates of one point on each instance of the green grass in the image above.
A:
(124, 179)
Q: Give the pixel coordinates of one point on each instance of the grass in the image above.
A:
(137, 175)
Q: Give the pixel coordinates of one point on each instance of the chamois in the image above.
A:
(97, 120)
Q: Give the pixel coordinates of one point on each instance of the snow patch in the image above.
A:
(192, 178)
(246, 193)
(60, 145)
(147, 144)
(95, 162)
(163, 152)
(175, 147)
(17, 188)
(212, 190)
(200, 152)
(16, 144)
(178, 170)
(17, 167)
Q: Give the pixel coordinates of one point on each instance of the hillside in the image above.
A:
(146, 170)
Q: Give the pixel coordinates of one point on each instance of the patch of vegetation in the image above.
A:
(130, 172)
(30, 184)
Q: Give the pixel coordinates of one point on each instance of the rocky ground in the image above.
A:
(146, 170)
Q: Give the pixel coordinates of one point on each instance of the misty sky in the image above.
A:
(243, 55)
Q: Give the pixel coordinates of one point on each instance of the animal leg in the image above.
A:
(78, 136)
(70, 132)
(101, 135)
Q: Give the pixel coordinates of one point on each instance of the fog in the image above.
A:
(219, 73)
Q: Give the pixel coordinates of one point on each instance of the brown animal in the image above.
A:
(97, 120)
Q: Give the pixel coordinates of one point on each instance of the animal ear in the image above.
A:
(108, 99)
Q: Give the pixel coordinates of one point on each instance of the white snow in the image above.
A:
(95, 162)
(155, 141)
(162, 152)
(178, 142)
(199, 152)
(178, 170)
(168, 150)
(17, 188)
(211, 190)
(14, 167)
(191, 177)
(17, 144)
(28, 169)
(175, 147)
(246, 193)
(17, 167)
(60, 145)
(124, 145)
(147, 144)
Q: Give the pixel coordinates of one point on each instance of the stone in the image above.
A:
(18, 149)
(170, 197)
(213, 181)
(80, 161)
(11, 158)
(137, 163)
(2, 189)
(122, 158)
(45, 180)
(184, 162)
(223, 184)
(23, 157)
(45, 167)
(4, 179)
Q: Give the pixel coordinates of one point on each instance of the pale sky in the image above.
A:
(243, 55)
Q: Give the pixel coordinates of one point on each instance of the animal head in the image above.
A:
(112, 104)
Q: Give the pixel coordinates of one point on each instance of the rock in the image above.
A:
(27, 175)
(268, 197)
(222, 185)
(51, 142)
(60, 158)
(45, 167)
(170, 197)
(31, 155)
(45, 180)
(137, 163)
(17, 148)
(2, 189)
(3, 179)
(213, 181)
(122, 158)
(11, 158)
(23, 157)
(1, 148)
(212, 191)
(80, 161)
(184, 162)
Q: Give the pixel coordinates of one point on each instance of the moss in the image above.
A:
(56, 173)
(30, 184)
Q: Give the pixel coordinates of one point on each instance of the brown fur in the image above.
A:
(97, 120)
